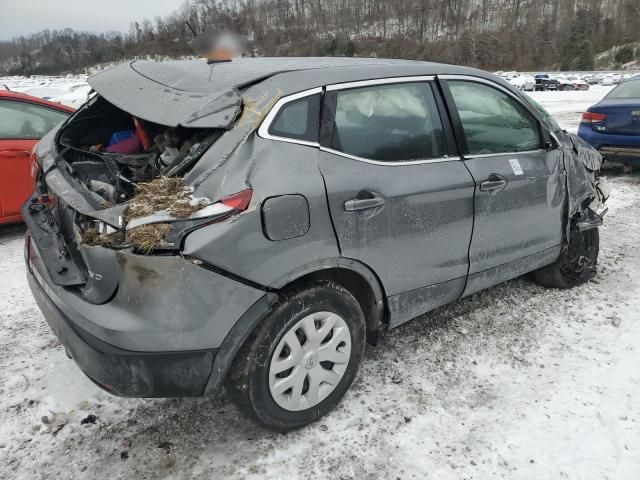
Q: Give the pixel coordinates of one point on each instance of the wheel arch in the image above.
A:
(362, 283)
(351, 274)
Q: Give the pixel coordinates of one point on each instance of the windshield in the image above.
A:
(628, 89)
(546, 116)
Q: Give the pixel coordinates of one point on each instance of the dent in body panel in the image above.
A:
(244, 250)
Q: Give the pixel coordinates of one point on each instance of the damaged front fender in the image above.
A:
(587, 192)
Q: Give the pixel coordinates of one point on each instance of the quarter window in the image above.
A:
(299, 119)
(23, 120)
(493, 122)
(393, 123)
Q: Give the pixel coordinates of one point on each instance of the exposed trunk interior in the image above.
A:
(111, 152)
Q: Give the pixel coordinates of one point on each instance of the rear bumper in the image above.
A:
(160, 332)
(620, 148)
(122, 372)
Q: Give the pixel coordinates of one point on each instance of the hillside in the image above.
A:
(491, 34)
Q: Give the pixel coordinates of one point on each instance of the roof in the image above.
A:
(191, 93)
(8, 94)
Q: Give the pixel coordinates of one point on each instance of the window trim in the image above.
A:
(449, 98)
(445, 158)
(263, 130)
(35, 104)
(379, 81)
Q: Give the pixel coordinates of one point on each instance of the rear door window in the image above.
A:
(392, 123)
(27, 121)
(493, 122)
(298, 119)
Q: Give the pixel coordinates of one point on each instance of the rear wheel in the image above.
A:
(302, 359)
(577, 263)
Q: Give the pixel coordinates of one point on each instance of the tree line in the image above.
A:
(490, 34)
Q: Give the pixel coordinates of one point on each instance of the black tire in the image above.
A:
(248, 379)
(576, 265)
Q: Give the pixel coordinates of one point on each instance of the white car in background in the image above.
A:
(46, 93)
(75, 97)
(523, 82)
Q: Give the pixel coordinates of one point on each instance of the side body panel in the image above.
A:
(419, 237)
(524, 218)
(520, 196)
(272, 169)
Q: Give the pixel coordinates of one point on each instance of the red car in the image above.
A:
(23, 121)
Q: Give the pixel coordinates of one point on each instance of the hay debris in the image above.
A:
(164, 194)
(148, 237)
(93, 238)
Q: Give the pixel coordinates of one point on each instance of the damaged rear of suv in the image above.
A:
(254, 222)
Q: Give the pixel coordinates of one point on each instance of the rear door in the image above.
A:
(21, 125)
(400, 198)
(519, 175)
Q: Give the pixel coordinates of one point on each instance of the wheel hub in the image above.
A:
(309, 361)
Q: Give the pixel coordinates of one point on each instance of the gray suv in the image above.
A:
(254, 223)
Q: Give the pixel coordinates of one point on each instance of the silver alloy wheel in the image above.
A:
(309, 361)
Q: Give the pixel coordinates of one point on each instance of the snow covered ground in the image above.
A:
(516, 382)
(71, 90)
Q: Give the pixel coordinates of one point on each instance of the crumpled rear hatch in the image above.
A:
(104, 156)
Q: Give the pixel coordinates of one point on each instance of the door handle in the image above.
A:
(358, 204)
(494, 183)
(14, 153)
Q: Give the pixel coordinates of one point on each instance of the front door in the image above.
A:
(519, 197)
(401, 203)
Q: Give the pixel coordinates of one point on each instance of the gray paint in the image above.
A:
(420, 236)
(285, 217)
(415, 249)
(525, 217)
(162, 304)
(240, 246)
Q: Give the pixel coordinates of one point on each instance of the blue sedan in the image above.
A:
(612, 126)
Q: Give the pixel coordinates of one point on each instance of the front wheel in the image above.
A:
(577, 263)
(302, 359)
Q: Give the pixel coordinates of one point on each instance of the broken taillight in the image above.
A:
(238, 201)
(213, 213)
(34, 167)
(593, 117)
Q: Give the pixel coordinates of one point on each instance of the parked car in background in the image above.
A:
(74, 97)
(525, 83)
(544, 82)
(45, 93)
(257, 225)
(23, 121)
(564, 84)
(580, 84)
(612, 125)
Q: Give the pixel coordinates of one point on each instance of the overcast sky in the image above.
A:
(22, 17)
